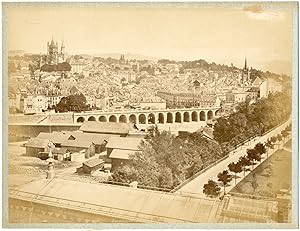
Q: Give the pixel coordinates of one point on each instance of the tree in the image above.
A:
(236, 168)
(211, 189)
(75, 103)
(244, 162)
(166, 161)
(273, 139)
(225, 178)
(268, 145)
(63, 67)
(253, 155)
(284, 134)
(260, 148)
(56, 67)
(251, 120)
(279, 138)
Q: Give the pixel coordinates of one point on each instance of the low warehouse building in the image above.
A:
(78, 156)
(119, 129)
(57, 138)
(119, 149)
(78, 145)
(61, 154)
(90, 166)
(100, 140)
(34, 146)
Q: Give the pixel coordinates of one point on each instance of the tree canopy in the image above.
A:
(211, 189)
(166, 161)
(58, 67)
(252, 119)
(225, 178)
(75, 103)
(235, 168)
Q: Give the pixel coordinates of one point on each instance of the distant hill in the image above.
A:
(127, 56)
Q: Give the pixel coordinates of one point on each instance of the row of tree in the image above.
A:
(166, 161)
(252, 119)
(56, 67)
(212, 188)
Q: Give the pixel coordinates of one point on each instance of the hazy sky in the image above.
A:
(220, 34)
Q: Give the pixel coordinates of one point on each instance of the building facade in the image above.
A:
(269, 86)
(188, 100)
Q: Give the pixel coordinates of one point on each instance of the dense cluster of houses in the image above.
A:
(120, 83)
(115, 142)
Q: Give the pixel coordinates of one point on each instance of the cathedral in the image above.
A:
(55, 54)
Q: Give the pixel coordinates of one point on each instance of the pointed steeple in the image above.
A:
(245, 67)
(52, 41)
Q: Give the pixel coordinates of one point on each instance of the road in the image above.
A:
(196, 185)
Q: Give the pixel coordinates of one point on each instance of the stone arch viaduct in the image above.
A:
(163, 116)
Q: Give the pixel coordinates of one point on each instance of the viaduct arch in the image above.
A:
(164, 116)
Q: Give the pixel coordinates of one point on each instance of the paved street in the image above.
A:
(196, 185)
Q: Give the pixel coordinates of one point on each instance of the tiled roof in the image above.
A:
(77, 143)
(93, 162)
(55, 137)
(95, 138)
(37, 143)
(124, 143)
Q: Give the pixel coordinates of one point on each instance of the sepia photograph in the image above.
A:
(160, 115)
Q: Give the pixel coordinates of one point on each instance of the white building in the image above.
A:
(90, 100)
(53, 100)
(77, 67)
(269, 86)
(35, 104)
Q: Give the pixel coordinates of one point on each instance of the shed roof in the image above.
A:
(121, 154)
(60, 150)
(55, 137)
(139, 205)
(95, 138)
(77, 143)
(37, 143)
(93, 162)
(106, 127)
(124, 143)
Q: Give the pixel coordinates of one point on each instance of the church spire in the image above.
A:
(245, 67)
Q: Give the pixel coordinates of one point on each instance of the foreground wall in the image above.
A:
(33, 130)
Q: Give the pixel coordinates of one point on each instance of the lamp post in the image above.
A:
(50, 161)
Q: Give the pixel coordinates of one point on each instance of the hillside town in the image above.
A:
(37, 83)
(176, 127)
